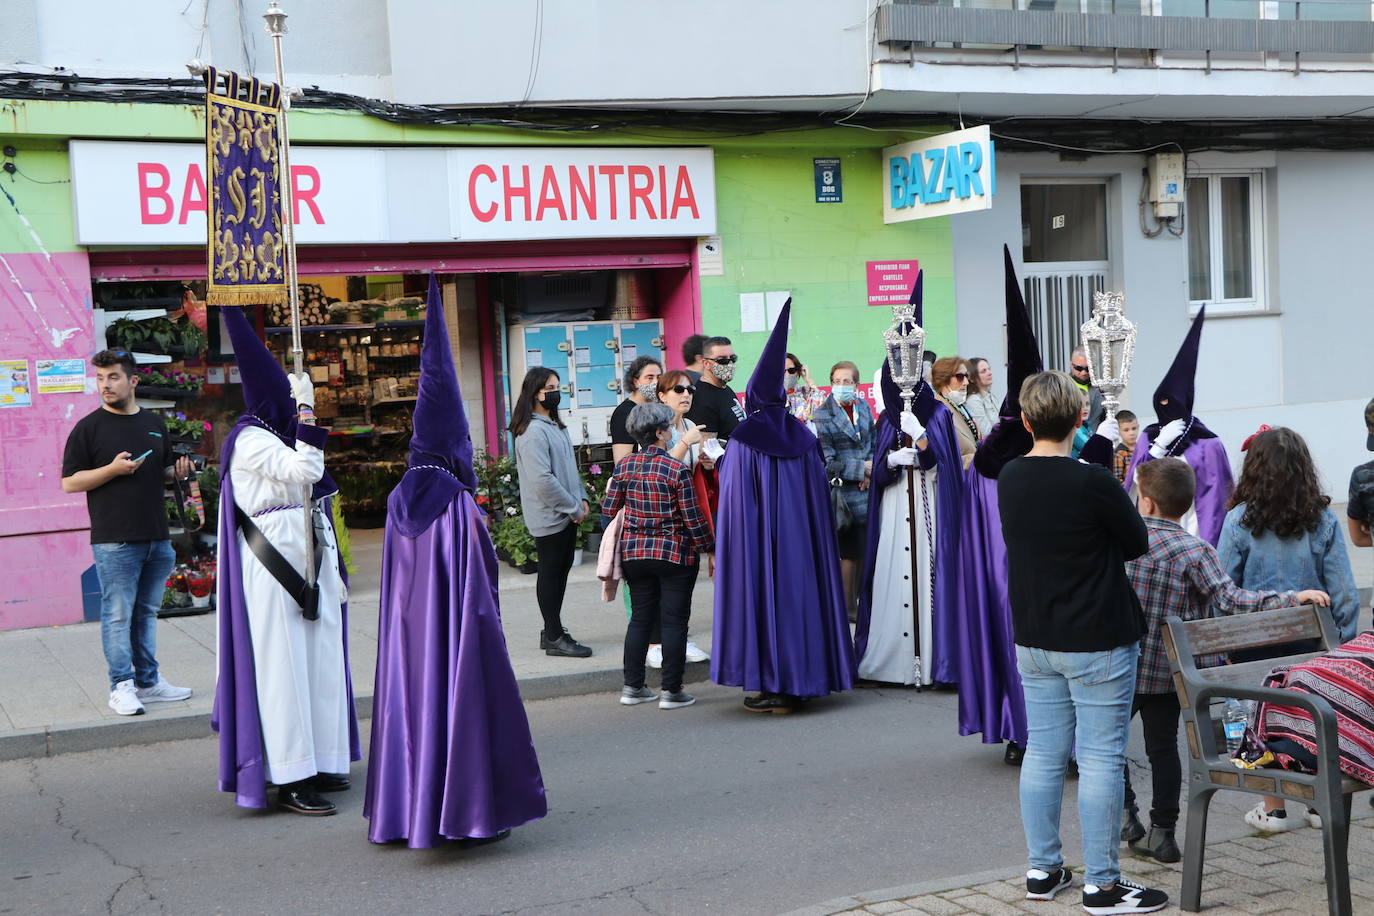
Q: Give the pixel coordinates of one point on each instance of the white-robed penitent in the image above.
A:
(891, 650)
(302, 685)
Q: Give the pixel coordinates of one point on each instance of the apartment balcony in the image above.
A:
(1127, 58)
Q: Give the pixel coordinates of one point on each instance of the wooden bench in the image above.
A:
(1328, 790)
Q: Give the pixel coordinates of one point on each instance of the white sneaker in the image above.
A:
(163, 692)
(1314, 819)
(696, 653)
(655, 657)
(1276, 821)
(124, 699)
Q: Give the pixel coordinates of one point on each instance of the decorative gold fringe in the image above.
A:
(258, 295)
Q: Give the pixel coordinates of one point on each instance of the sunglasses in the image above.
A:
(793, 371)
(1076, 368)
(723, 360)
(684, 389)
(961, 376)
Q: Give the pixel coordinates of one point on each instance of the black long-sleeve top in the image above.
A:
(1069, 529)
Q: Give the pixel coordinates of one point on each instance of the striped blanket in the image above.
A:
(1344, 677)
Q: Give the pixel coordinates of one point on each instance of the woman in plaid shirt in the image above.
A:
(663, 531)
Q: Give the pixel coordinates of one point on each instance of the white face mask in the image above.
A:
(956, 397)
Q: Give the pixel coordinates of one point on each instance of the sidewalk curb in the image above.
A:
(134, 730)
(920, 889)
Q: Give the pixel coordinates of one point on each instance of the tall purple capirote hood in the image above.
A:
(1174, 397)
(765, 385)
(266, 390)
(918, 297)
(1023, 351)
(440, 425)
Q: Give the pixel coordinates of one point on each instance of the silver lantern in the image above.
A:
(1109, 342)
(905, 342)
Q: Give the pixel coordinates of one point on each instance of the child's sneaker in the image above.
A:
(1043, 885)
(1122, 897)
(1276, 821)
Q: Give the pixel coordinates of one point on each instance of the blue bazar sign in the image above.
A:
(938, 176)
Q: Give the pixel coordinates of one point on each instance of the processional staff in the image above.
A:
(1109, 343)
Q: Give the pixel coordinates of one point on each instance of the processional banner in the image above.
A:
(246, 251)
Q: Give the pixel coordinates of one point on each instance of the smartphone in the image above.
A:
(144, 455)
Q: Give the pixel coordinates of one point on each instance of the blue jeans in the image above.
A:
(1081, 698)
(132, 578)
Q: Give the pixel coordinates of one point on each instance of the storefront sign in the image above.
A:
(890, 282)
(829, 189)
(155, 193)
(938, 176)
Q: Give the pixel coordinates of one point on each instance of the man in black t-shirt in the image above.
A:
(715, 405)
(118, 456)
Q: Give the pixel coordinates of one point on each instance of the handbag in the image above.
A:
(844, 518)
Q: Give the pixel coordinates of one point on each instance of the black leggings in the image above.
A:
(1159, 716)
(661, 596)
(555, 553)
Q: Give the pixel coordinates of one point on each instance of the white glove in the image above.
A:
(1168, 435)
(713, 449)
(901, 458)
(302, 389)
(1111, 430)
(912, 427)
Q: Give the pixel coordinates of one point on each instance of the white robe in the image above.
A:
(891, 652)
(301, 683)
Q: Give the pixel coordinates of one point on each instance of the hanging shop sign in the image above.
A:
(129, 193)
(939, 176)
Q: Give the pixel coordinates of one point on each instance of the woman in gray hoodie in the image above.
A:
(552, 498)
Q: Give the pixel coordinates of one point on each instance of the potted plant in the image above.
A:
(513, 541)
(595, 477)
(185, 429)
(155, 383)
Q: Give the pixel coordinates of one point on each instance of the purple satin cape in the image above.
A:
(991, 701)
(1212, 468)
(781, 624)
(451, 753)
(242, 761)
(949, 488)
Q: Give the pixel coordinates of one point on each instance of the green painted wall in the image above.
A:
(774, 236)
(41, 193)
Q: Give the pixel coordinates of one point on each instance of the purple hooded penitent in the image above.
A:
(267, 404)
(990, 698)
(942, 452)
(780, 617)
(451, 755)
(1198, 445)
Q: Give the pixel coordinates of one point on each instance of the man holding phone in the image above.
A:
(120, 456)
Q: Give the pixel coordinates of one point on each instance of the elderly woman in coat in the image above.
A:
(844, 424)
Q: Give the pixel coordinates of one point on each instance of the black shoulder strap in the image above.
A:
(307, 596)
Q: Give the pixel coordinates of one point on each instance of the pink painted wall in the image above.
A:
(45, 313)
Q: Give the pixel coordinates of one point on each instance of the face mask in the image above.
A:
(649, 392)
(789, 383)
(673, 440)
(724, 373)
(845, 394)
(551, 399)
(956, 397)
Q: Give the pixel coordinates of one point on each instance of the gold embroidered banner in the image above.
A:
(246, 252)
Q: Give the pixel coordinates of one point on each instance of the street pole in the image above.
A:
(276, 28)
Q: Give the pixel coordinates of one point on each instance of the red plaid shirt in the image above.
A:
(1181, 574)
(663, 517)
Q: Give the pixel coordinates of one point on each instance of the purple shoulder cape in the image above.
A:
(242, 761)
(781, 623)
(1212, 468)
(944, 454)
(451, 753)
(990, 697)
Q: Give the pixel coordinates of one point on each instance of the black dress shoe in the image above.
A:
(330, 782)
(778, 704)
(470, 842)
(1161, 845)
(1014, 755)
(299, 798)
(565, 646)
(1132, 830)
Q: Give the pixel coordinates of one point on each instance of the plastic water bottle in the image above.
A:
(1233, 722)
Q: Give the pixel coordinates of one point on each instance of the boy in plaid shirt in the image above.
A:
(1180, 575)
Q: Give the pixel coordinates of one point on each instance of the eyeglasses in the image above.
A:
(793, 371)
(723, 360)
(684, 389)
(1077, 368)
(961, 376)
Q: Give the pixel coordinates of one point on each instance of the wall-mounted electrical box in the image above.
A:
(1166, 187)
